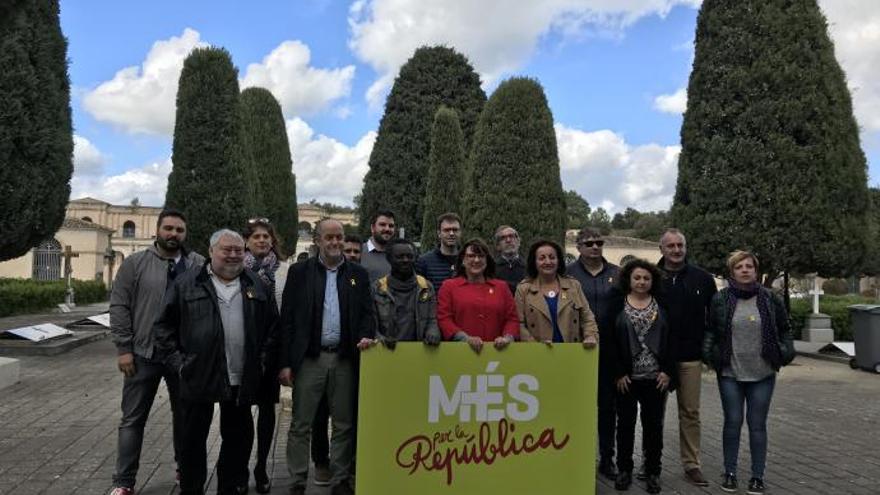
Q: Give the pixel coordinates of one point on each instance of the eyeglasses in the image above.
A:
(592, 243)
(258, 220)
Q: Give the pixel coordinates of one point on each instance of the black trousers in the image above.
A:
(237, 439)
(607, 398)
(644, 394)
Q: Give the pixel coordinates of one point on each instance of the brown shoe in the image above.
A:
(695, 477)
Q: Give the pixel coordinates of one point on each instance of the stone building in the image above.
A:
(103, 234)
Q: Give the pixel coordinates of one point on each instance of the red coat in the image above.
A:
(484, 310)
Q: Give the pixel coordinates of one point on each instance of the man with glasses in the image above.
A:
(217, 332)
(439, 264)
(598, 278)
(509, 265)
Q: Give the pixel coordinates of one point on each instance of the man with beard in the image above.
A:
(327, 318)
(217, 330)
(405, 304)
(135, 303)
(509, 265)
(373, 258)
(439, 264)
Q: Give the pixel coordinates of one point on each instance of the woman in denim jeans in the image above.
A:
(748, 340)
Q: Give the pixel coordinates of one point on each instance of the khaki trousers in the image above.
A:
(688, 395)
(327, 375)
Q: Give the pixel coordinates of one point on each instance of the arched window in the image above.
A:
(626, 259)
(87, 219)
(128, 229)
(47, 260)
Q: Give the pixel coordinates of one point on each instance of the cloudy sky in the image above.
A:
(614, 72)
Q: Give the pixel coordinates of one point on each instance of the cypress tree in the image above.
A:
(770, 158)
(210, 180)
(434, 76)
(36, 134)
(265, 137)
(445, 185)
(515, 166)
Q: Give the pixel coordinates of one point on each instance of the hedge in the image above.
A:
(834, 306)
(21, 296)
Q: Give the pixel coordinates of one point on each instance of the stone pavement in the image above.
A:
(58, 432)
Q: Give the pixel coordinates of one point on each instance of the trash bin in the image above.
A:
(865, 320)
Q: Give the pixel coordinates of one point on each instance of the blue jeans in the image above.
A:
(756, 397)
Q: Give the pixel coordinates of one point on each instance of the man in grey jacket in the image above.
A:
(135, 303)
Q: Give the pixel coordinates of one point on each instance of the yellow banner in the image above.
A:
(448, 421)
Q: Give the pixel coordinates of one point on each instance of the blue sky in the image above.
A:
(614, 74)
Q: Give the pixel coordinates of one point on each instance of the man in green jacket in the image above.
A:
(405, 303)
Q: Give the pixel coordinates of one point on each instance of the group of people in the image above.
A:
(229, 329)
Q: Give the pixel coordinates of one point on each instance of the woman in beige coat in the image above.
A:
(551, 305)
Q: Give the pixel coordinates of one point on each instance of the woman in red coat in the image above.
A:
(474, 306)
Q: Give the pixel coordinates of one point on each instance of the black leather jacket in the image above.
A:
(190, 339)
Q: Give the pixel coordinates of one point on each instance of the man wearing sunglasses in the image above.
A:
(598, 278)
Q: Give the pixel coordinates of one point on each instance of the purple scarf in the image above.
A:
(264, 267)
(769, 339)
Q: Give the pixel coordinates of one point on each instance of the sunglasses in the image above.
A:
(593, 243)
(258, 220)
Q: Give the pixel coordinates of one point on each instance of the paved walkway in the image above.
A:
(58, 432)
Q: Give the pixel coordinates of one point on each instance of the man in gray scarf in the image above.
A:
(405, 303)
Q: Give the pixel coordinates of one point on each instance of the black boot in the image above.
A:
(623, 481)
(653, 483)
(606, 469)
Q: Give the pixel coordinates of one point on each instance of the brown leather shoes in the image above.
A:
(695, 477)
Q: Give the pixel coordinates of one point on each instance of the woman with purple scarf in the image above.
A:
(748, 340)
(262, 258)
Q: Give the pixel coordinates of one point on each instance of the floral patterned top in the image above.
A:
(645, 364)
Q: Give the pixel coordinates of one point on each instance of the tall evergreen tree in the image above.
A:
(770, 157)
(515, 166)
(445, 186)
(210, 181)
(36, 135)
(577, 210)
(265, 136)
(434, 76)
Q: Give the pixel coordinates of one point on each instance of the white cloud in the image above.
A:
(855, 28)
(147, 183)
(607, 171)
(675, 103)
(142, 99)
(327, 170)
(87, 158)
(300, 88)
(496, 37)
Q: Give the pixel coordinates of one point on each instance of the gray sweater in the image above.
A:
(136, 299)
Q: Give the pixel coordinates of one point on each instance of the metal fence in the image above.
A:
(47, 260)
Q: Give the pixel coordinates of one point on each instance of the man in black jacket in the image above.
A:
(598, 279)
(687, 294)
(327, 317)
(217, 331)
(438, 264)
(509, 265)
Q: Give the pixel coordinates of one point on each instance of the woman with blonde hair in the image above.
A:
(748, 340)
